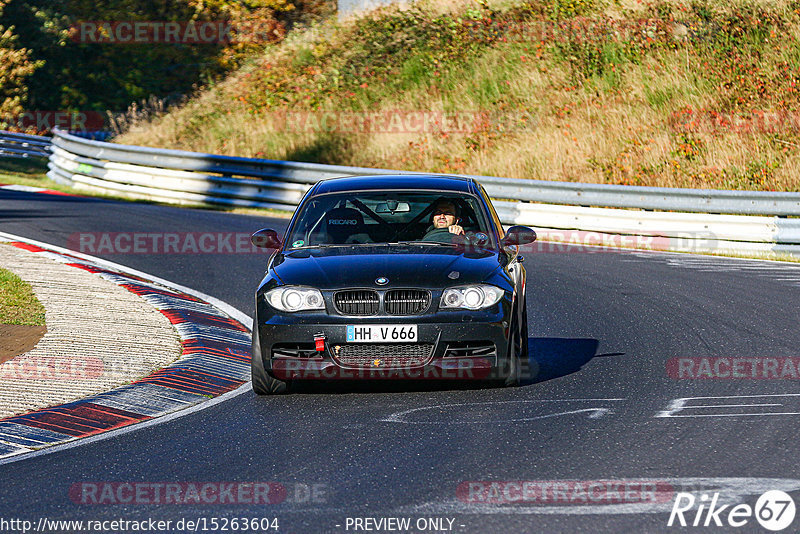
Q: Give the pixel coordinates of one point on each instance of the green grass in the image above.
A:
(25, 172)
(18, 303)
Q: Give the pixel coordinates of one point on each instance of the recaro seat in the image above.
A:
(346, 225)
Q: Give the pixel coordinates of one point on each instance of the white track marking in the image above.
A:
(754, 269)
(23, 188)
(784, 272)
(595, 413)
(733, 405)
(682, 404)
(227, 308)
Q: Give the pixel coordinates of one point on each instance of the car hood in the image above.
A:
(403, 266)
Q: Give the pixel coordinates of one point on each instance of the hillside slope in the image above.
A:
(636, 92)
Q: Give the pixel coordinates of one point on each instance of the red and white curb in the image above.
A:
(215, 363)
(32, 189)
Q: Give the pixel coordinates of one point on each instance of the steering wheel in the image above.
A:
(439, 235)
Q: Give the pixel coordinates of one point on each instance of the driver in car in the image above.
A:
(445, 220)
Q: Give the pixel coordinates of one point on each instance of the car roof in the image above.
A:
(396, 181)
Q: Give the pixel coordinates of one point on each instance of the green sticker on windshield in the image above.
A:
(298, 243)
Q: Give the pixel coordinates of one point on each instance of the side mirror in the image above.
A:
(519, 235)
(266, 238)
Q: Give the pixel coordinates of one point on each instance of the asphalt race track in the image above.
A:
(604, 328)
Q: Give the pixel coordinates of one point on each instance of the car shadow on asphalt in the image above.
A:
(554, 357)
(549, 358)
(387, 386)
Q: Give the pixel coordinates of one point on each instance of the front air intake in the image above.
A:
(406, 301)
(356, 302)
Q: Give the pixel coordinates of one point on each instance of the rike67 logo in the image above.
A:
(774, 510)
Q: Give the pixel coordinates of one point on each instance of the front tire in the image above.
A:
(518, 350)
(525, 367)
(263, 382)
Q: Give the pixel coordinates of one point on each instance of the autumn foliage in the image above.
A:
(15, 69)
(43, 66)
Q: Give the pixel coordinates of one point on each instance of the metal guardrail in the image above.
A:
(577, 194)
(16, 145)
(750, 221)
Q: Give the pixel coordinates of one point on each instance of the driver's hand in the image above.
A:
(456, 229)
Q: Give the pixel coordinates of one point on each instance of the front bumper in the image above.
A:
(465, 350)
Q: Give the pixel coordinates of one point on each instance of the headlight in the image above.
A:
(473, 297)
(295, 298)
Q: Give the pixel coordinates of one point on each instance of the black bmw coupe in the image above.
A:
(391, 277)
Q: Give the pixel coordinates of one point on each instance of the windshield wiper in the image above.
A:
(339, 245)
(436, 243)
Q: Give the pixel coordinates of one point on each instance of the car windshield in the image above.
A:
(383, 217)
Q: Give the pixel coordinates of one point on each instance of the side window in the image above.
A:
(495, 219)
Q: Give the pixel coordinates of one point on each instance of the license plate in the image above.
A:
(381, 333)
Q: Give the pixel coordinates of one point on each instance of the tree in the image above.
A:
(15, 69)
(53, 65)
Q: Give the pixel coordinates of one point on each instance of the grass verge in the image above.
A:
(18, 303)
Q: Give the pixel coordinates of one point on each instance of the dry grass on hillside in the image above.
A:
(638, 92)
